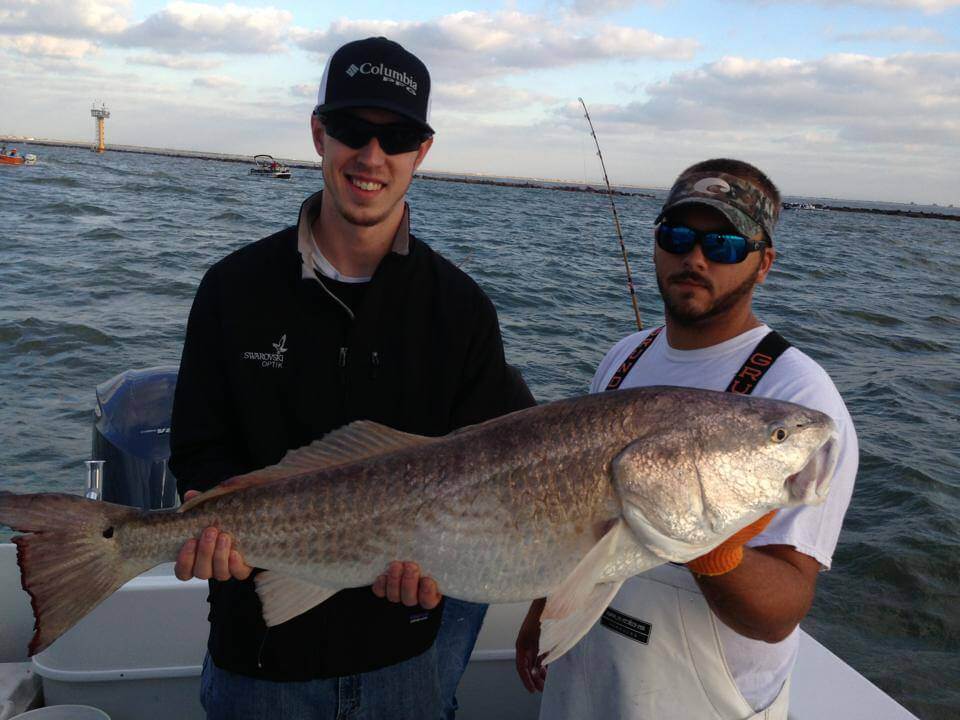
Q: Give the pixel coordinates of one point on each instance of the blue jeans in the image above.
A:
(459, 628)
(405, 691)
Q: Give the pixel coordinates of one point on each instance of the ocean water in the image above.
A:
(100, 257)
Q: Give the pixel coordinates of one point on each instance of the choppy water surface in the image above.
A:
(101, 257)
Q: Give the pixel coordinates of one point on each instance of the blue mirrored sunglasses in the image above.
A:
(726, 248)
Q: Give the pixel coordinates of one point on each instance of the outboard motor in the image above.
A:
(131, 440)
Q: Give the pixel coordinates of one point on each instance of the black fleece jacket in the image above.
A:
(271, 362)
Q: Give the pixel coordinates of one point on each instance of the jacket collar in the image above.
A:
(307, 245)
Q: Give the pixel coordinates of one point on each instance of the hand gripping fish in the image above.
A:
(564, 500)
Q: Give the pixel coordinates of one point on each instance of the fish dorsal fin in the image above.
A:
(360, 440)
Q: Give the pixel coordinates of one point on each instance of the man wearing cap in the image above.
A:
(716, 638)
(344, 316)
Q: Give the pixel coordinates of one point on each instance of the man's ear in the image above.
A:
(766, 262)
(422, 152)
(317, 131)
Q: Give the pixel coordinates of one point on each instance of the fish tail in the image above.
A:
(69, 560)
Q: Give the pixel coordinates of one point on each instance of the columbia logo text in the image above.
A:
(387, 74)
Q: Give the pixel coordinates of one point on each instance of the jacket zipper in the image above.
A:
(260, 651)
(343, 365)
(375, 362)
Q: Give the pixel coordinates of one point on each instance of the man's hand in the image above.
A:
(728, 555)
(402, 583)
(532, 673)
(212, 556)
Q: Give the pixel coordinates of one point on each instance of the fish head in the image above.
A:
(719, 463)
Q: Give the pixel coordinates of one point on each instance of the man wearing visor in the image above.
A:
(344, 316)
(718, 637)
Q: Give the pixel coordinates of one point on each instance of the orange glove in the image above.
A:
(729, 554)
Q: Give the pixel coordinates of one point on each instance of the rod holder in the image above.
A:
(94, 480)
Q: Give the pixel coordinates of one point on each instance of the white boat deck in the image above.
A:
(138, 657)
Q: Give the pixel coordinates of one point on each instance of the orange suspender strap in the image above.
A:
(763, 356)
(744, 381)
(620, 375)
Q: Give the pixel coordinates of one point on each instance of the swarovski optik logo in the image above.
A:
(274, 359)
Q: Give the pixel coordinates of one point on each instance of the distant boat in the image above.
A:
(12, 157)
(266, 165)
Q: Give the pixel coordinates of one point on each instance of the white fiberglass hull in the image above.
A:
(138, 656)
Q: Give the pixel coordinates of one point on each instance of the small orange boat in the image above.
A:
(14, 158)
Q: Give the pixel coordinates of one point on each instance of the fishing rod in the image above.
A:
(616, 218)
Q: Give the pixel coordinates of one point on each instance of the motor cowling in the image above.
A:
(131, 435)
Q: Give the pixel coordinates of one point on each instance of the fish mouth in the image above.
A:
(811, 484)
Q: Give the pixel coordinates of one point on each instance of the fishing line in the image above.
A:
(616, 218)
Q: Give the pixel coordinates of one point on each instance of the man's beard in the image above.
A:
(364, 221)
(361, 218)
(679, 314)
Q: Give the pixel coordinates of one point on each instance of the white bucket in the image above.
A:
(63, 712)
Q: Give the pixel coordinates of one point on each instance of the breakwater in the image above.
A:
(872, 211)
(136, 149)
(546, 185)
(521, 183)
(248, 159)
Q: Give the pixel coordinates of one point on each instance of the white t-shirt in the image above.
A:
(758, 668)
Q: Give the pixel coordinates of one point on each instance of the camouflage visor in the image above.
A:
(744, 204)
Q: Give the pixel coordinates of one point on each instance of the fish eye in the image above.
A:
(779, 434)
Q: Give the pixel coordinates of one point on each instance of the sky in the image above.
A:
(851, 99)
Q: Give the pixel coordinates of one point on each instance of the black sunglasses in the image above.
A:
(355, 132)
(726, 248)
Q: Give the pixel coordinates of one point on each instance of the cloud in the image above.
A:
(174, 62)
(180, 27)
(193, 27)
(48, 47)
(217, 82)
(845, 125)
(64, 18)
(855, 95)
(485, 44)
(898, 34)
(483, 97)
(926, 6)
(599, 7)
(305, 90)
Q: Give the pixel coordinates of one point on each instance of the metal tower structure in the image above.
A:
(100, 114)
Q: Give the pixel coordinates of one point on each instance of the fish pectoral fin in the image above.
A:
(578, 601)
(360, 440)
(557, 635)
(283, 597)
(576, 588)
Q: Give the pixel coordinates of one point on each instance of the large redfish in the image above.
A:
(564, 500)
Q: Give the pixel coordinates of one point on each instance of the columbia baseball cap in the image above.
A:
(376, 73)
(744, 204)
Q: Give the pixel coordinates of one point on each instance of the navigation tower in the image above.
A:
(99, 114)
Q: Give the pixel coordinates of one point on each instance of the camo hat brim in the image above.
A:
(744, 204)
